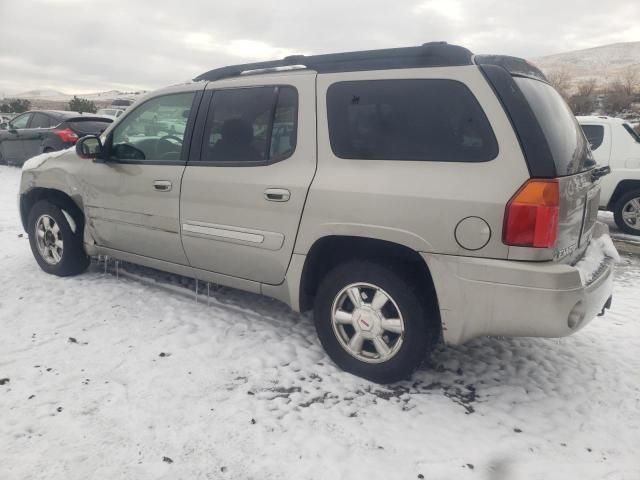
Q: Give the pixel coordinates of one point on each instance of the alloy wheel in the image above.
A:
(367, 322)
(49, 239)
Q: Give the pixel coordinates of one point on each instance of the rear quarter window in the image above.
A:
(89, 127)
(428, 120)
(594, 134)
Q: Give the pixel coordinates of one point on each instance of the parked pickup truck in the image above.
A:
(614, 143)
(404, 195)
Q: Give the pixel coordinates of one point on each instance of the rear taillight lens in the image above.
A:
(67, 135)
(531, 216)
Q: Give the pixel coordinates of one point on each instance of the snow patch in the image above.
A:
(599, 249)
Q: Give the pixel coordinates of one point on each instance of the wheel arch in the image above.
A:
(623, 187)
(57, 197)
(329, 251)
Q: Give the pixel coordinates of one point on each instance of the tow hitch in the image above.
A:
(606, 306)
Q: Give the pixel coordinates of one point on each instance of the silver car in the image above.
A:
(407, 196)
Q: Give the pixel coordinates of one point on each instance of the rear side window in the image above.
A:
(564, 136)
(431, 120)
(89, 127)
(255, 125)
(40, 120)
(594, 134)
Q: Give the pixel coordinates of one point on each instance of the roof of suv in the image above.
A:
(600, 119)
(433, 54)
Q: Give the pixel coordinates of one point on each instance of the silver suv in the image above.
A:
(406, 196)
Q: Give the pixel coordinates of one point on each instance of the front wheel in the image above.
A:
(373, 321)
(57, 249)
(626, 212)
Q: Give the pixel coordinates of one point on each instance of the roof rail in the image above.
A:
(433, 54)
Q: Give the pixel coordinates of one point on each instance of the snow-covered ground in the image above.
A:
(106, 378)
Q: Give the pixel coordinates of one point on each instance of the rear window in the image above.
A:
(568, 145)
(594, 134)
(431, 120)
(93, 127)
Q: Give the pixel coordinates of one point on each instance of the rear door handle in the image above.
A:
(162, 185)
(277, 194)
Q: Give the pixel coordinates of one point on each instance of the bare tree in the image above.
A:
(587, 88)
(630, 80)
(560, 78)
(616, 98)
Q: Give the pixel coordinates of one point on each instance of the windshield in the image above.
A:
(568, 145)
(631, 131)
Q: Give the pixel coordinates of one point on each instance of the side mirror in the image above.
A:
(89, 147)
(3, 125)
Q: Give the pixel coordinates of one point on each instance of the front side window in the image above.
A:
(430, 119)
(21, 121)
(251, 126)
(594, 134)
(154, 131)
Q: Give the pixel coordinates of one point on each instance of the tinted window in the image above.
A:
(438, 120)
(21, 121)
(564, 136)
(255, 125)
(154, 130)
(631, 132)
(40, 120)
(89, 127)
(594, 134)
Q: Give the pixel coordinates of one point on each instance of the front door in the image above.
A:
(245, 187)
(11, 139)
(132, 198)
(32, 137)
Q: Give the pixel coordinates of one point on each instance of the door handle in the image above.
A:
(162, 185)
(277, 194)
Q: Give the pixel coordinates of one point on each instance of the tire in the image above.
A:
(405, 301)
(69, 257)
(625, 205)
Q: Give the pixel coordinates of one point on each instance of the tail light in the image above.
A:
(67, 135)
(531, 216)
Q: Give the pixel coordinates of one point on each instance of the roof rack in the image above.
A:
(433, 54)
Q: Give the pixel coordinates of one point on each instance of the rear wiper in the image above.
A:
(597, 173)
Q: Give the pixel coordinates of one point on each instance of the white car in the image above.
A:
(615, 143)
(112, 113)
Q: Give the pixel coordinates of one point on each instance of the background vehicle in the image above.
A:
(112, 113)
(403, 195)
(35, 132)
(615, 143)
(122, 103)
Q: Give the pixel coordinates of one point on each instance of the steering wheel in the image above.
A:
(166, 155)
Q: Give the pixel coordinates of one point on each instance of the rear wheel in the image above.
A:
(626, 212)
(373, 321)
(57, 249)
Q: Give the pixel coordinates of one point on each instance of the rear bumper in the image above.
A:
(480, 296)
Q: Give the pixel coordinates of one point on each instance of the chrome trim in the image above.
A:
(221, 232)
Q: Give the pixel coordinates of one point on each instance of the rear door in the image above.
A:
(245, 187)
(572, 159)
(132, 198)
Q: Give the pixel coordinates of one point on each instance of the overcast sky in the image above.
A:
(83, 46)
